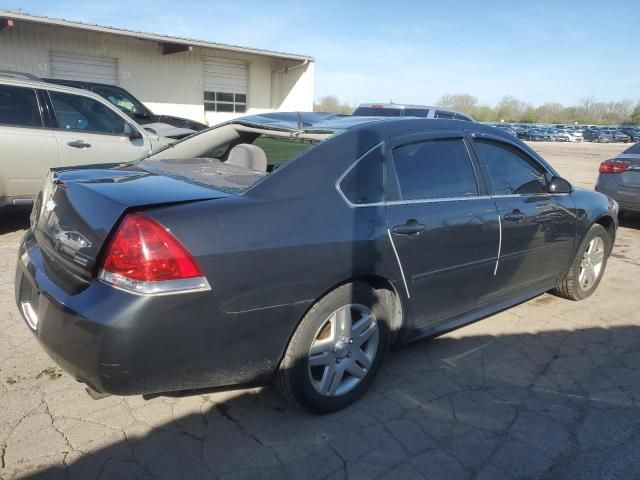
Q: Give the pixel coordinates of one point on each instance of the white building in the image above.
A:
(205, 81)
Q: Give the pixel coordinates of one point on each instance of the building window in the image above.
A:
(225, 102)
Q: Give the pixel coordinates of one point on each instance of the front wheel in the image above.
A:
(588, 266)
(337, 349)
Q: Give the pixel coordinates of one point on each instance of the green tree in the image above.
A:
(635, 116)
(331, 103)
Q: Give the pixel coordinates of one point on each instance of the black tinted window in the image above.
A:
(377, 112)
(416, 112)
(434, 169)
(19, 106)
(510, 172)
(76, 112)
(447, 115)
(363, 184)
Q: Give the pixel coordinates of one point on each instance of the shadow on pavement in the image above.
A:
(630, 220)
(554, 404)
(13, 219)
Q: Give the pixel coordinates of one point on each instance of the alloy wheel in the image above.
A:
(343, 350)
(591, 264)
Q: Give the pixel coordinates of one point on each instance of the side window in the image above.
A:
(434, 169)
(510, 172)
(447, 115)
(19, 106)
(363, 183)
(80, 113)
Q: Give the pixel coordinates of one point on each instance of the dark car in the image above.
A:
(597, 136)
(618, 136)
(633, 133)
(620, 179)
(537, 135)
(405, 110)
(298, 247)
(133, 107)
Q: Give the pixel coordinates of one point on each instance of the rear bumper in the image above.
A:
(627, 197)
(126, 344)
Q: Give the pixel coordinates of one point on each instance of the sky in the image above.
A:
(411, 51)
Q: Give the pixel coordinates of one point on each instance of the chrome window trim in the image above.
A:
(495, 270)
(404, 279)
(438, 200)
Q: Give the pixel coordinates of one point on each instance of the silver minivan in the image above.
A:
(44, 125)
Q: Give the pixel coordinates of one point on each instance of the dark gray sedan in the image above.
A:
(297, 247)
(620, 179)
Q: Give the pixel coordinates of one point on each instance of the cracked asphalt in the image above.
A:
(549, 389)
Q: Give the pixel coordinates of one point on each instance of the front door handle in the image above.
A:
(514, 216)
(79, 144)
(410, 228)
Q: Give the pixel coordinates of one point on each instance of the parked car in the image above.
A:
(597, 136)
(537, 135)
(556, 135)
(403, 110)
(619, 136)
(619, 178)
(633, 133)
(211, 268)
(44, 125)
(163, 125)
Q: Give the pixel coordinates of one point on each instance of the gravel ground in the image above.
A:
(549, 389)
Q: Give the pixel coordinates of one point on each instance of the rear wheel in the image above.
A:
(588, 266)
(336, 350)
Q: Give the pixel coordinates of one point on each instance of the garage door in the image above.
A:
(226, 83)
(70, 66)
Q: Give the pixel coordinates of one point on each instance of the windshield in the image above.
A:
(123, 100)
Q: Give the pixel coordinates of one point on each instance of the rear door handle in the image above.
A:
(410, 228)
(79, 144)
(514, 216)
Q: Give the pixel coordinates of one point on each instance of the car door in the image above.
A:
(538, 229)
(90, 131)
(29, 148)
(442, 225)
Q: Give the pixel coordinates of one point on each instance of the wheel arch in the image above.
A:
(379, 283)
(609, 224)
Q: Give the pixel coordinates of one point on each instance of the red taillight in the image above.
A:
(614, 166)
(143, 250)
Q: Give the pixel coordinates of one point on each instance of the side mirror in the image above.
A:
(131, 132)
(559, 185)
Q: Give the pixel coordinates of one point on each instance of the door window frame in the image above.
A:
(392, 182)
(507, 144)
(43, 124)
(56, 125)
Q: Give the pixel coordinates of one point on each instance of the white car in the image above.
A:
(43, 125)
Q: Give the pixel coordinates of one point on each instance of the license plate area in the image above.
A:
(29, 301)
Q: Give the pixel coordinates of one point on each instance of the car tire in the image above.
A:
(308, 379)
(578, 284)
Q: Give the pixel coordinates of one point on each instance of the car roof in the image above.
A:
(80, 83)
(401, 106)
(310, 121)
(19, 82)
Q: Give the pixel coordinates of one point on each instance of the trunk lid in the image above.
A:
(631, 177)
(78, 208)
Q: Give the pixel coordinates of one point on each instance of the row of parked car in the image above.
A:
(572, 133)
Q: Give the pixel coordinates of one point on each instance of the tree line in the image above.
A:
(509, 109)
